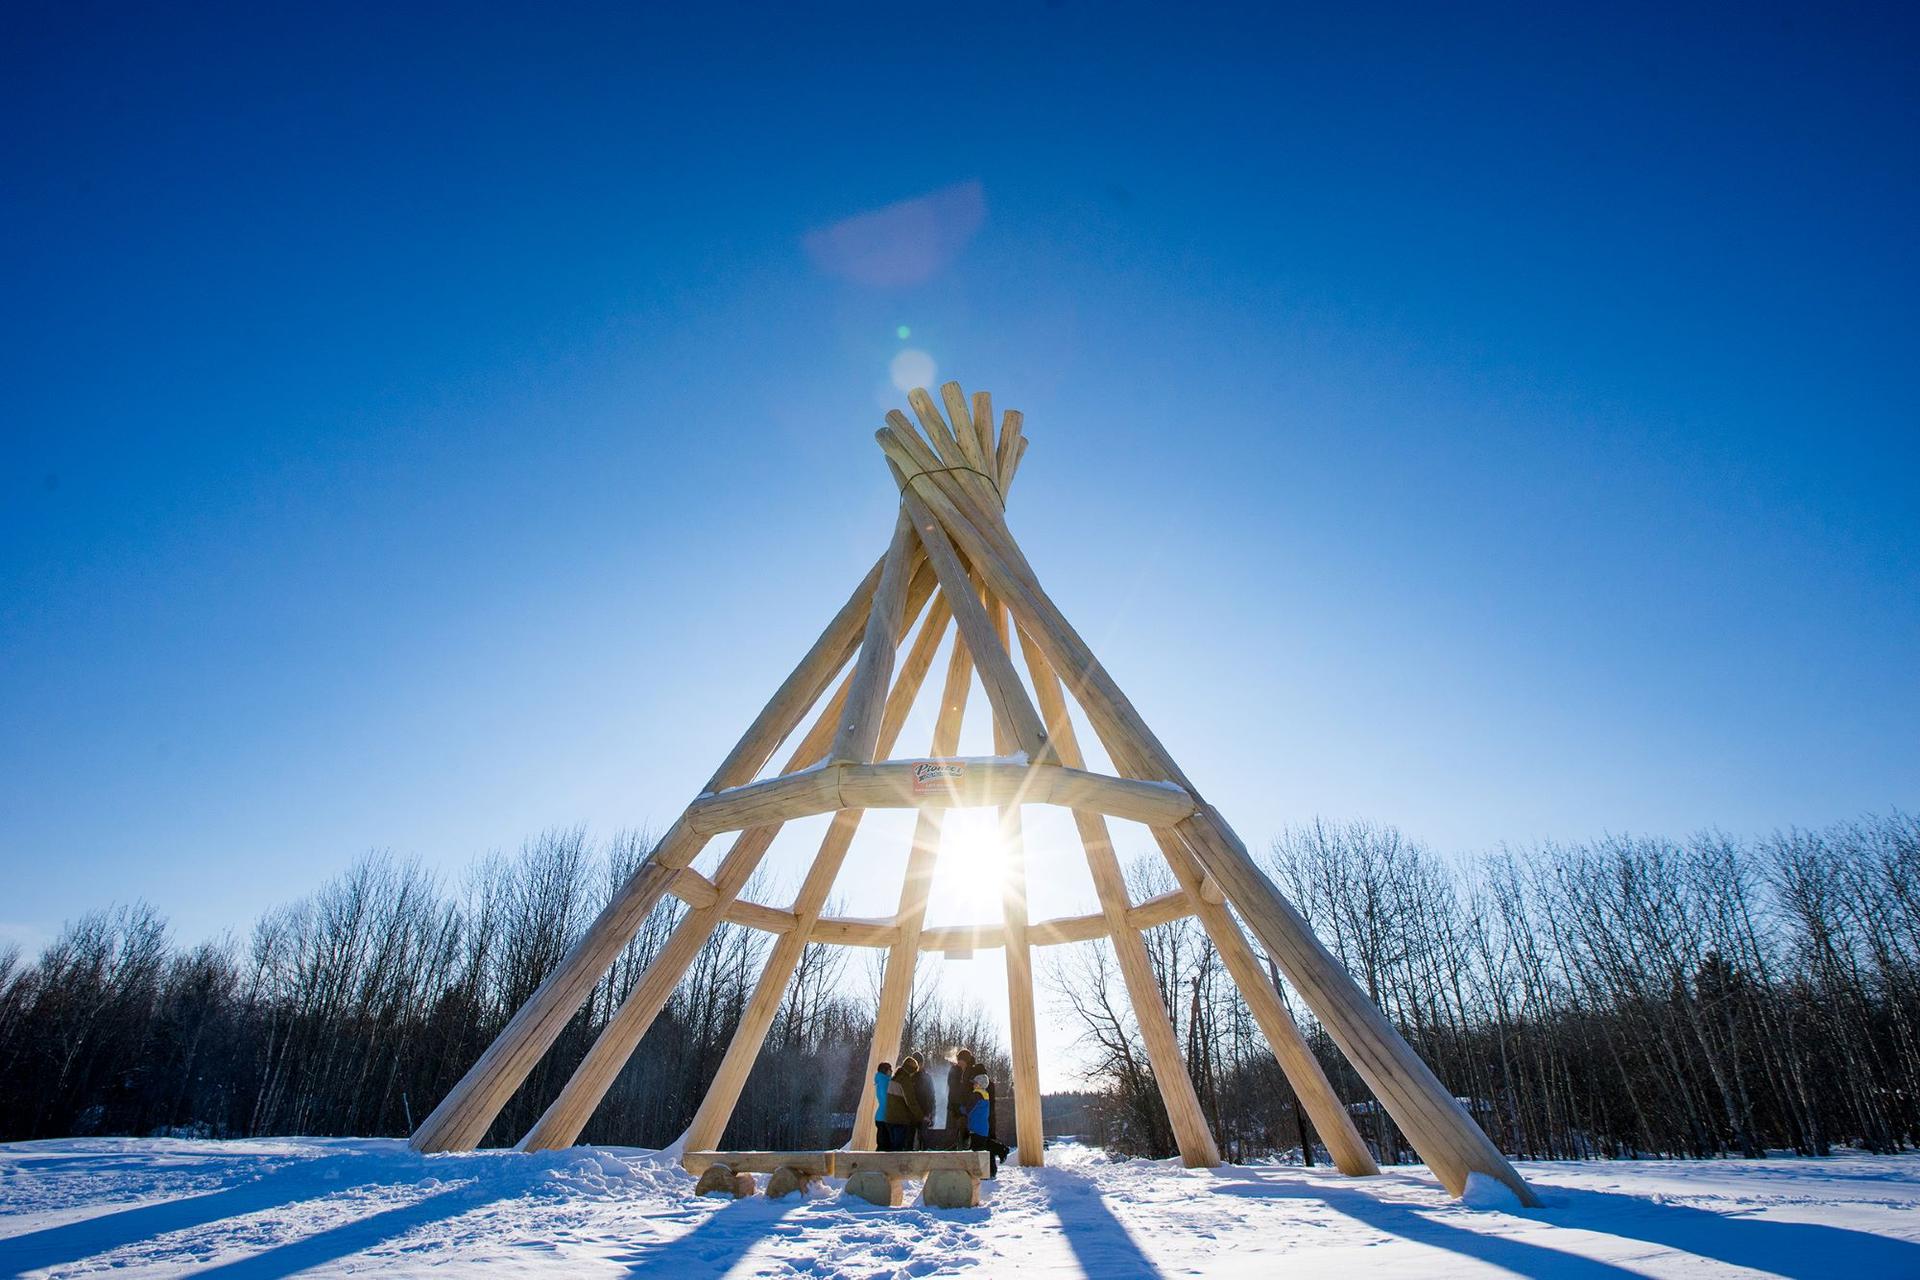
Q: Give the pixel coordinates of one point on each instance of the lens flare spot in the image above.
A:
(912, 368)
(903, 333)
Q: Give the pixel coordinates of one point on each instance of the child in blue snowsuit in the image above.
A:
(980, 1126)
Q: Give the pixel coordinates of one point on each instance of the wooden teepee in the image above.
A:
(954, 561)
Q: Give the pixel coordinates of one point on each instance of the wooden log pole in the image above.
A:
(961, 432)
(1015, 720)
(944, 448)
(981, 433)
(1029, 1128)
(959, 416)
(1190, 1132)
(560, 1125)
(1439, 1128)
(896, 982)
(860, 723)
(983, 423)
(464, 1115)
(1311, 1088)
(1013, 445)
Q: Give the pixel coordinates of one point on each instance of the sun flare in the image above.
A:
(973, 859)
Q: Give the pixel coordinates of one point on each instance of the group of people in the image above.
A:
(904, 1111)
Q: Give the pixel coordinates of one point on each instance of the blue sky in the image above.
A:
(426, 428)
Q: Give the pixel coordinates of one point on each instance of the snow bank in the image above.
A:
(1484, 1192)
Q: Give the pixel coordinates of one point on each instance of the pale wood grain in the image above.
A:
(1195, 1141)
(860, 724)
(1029, 1139)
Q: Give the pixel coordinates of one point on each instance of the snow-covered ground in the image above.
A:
(163, 1207)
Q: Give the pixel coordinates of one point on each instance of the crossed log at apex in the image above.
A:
(953, 560)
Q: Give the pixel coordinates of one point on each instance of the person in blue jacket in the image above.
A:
(980, 1126)
(882, 1135)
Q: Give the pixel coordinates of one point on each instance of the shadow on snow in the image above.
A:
(72, 1241)
(1798, 1250)
(713, 1248)
(1100, 1242)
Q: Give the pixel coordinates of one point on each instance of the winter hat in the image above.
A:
(980, 1081)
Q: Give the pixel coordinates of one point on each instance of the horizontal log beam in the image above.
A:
(837, 1163)
(962, 938)
(693, 888)
(1065, 929)
(782, 799)
(764, 918)
(944, 783)
(848, 932)
(909, 1164)
(1117, 797)
(818, 1163)
(1163, 908)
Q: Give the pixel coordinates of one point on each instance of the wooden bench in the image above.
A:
(952, 1177)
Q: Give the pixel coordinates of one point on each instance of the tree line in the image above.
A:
(354, 1010)
(1632, 996)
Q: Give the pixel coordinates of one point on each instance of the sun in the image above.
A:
(973, 862)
